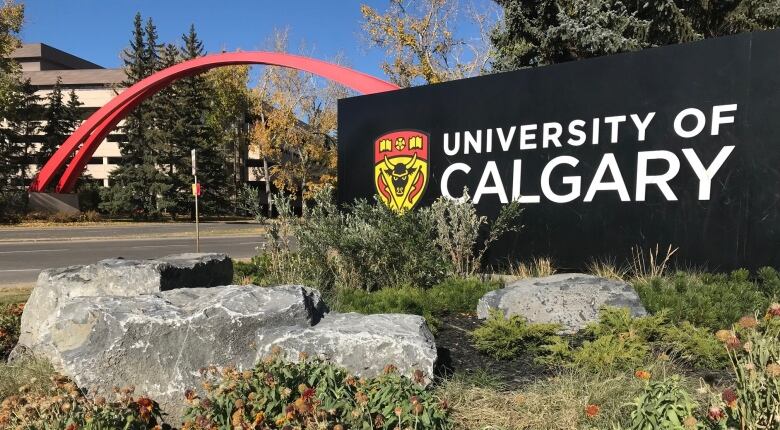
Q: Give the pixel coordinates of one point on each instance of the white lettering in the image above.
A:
(643, 179)
(525, 136)
(574, 181)
(700, 122)
(717, 119)
(615, 122)
(598, 184)
(641, 126)
(552, 132)
(706, 175)
(506, 141)
(451, 150)
(575, 129)
(490, 173)
(470, 141)
(516, 175)
(445, 179)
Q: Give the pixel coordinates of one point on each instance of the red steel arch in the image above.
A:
(88, 136)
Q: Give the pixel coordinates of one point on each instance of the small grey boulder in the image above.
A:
(571, 299)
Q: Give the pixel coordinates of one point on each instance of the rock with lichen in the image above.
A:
(570, 299)
(116, 277)
(157, 335)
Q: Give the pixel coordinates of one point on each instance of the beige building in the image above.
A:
(93, 84)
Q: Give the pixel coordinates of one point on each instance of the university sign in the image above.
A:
(676, 145)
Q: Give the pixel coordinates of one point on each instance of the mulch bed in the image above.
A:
(458, 355)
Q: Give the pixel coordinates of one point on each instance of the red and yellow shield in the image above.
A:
(401, 168)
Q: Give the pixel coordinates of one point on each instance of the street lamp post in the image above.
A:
(196, 191)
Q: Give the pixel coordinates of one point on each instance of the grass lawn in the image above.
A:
(12, 295)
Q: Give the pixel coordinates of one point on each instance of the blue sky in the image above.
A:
(98, 30)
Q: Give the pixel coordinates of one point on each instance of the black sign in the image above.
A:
(676, 145)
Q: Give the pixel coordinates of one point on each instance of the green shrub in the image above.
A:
(248, 272)
(664, 405)
(312, 394)
(13, 205)
(458, 228)
(365, 246)
(693, 345)
(504, 338)
(619, 322)
(706, 300)
(449, 296)
(769, 282)
(63, 406)
(618, 341)
(89, 195)
(458, 294)
(609, 353)
(369, 247)
(402, 300)
(10, 321)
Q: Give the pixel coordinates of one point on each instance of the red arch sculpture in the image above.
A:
(88, 136)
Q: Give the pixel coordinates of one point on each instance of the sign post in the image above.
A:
(196, 192)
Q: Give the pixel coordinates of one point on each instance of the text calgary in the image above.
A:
(506, 186)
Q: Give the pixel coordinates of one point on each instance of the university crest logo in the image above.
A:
(401, 168)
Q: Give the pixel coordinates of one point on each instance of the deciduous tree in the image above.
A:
(227, 120)
(296, 130)
(420, 39)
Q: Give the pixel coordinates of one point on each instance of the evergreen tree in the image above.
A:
(135, 69)
(152, 48)
(61, 118)
(172, 154)
(12, 197)
(58, 123)
(197, 132)
(539, 32)
(137, 182)
(73, 112)
(24, 123)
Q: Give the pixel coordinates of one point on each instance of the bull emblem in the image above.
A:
(400, 173)
(401, 168)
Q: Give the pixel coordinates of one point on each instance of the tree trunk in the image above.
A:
(267, 179)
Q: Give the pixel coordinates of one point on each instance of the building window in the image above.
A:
(254, 162)
(96, 160)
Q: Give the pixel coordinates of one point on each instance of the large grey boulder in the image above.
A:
(159, 342)
(572, 299)
(118, 277)
(152, 324)
(364, 344)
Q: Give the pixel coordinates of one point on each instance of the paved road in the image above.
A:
(24, 252)
(124, 230)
